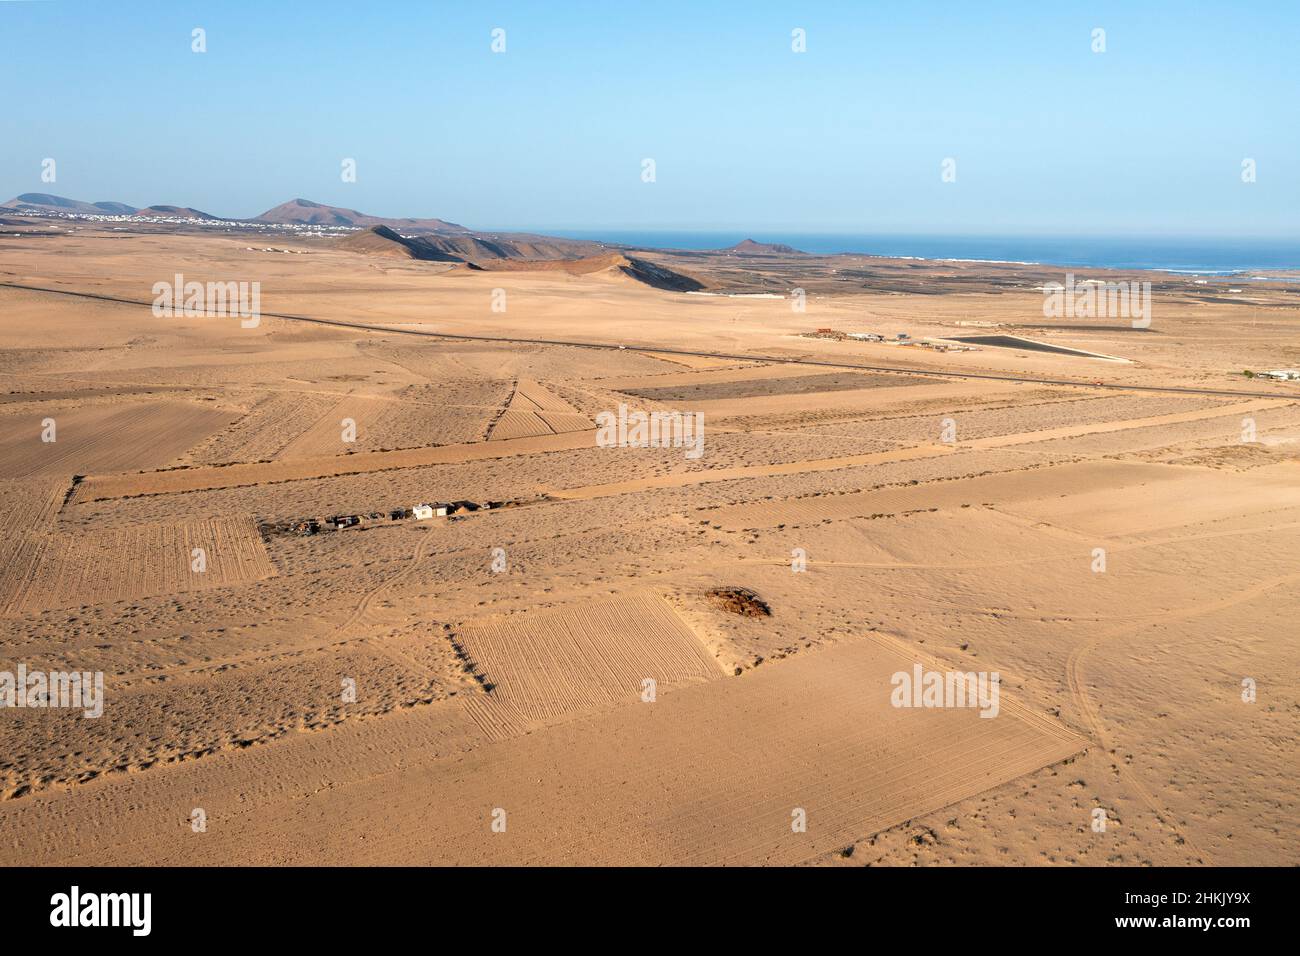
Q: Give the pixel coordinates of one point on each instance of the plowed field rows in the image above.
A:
(71, 570)
(550, 664)
(106, 438)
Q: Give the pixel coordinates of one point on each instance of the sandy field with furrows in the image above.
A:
(596, 651)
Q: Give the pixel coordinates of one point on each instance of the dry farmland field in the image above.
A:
(144, 560)
(639, 655)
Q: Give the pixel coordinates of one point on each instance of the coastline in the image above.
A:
(1236, 258)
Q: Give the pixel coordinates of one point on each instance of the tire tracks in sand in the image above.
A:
(368, 598)
(1075, 676)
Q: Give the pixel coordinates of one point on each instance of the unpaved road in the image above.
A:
(731, 356)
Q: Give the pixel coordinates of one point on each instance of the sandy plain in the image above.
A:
(475, 690)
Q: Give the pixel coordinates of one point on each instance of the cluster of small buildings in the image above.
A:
(838, 336)
(940, 346)
(308, 230)
(902, 338)
(1281, 375)
(420, 512)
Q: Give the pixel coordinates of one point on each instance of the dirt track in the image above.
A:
(732, 356)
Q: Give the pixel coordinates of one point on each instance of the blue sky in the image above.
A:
(1048, 137)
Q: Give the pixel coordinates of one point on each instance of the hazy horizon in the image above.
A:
(1222, 254)
(750, 231)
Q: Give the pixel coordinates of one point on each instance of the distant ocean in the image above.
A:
(1199, 256)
